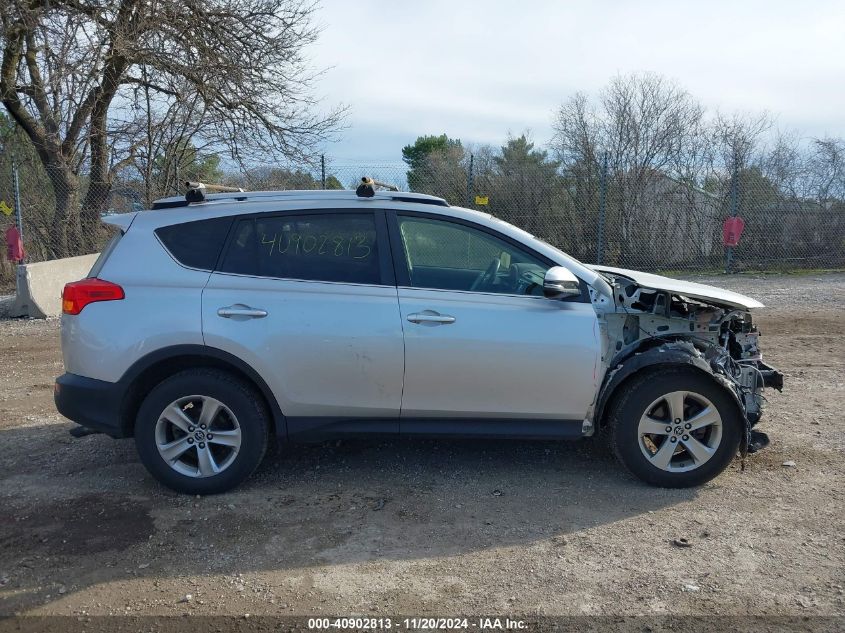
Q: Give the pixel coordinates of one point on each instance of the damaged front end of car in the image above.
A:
(684, 324)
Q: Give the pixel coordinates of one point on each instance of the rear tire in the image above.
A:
(675, 428)
(202, 431)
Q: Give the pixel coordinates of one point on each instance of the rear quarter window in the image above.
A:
(195, 244)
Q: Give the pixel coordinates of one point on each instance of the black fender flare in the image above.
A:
(677, 354)
(218, 357)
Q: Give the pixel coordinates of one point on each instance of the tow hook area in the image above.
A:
(82, 431)
(757, 441)
(772, 378)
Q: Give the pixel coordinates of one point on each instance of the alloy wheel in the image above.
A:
(198, 436)
(680, 431)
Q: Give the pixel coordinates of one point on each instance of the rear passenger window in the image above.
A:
(195, 244)
(322, 247)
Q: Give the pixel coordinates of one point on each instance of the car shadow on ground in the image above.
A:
(84, 511)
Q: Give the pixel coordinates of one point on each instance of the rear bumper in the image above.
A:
(92, 403)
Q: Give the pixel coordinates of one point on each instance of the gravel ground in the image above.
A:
(436, 527)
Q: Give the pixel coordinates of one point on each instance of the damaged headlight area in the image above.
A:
(654, 327)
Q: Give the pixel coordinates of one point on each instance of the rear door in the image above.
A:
(309, 300)
(481, 341)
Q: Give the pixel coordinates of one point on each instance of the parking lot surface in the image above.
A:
(436, 527)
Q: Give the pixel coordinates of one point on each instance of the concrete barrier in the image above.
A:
(39, 285)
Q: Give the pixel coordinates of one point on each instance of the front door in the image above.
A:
(481, 341)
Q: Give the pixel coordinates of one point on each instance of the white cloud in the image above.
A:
(477, 70)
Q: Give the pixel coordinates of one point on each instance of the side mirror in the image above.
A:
(560, 283)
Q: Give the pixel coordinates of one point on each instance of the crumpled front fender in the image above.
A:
(675, 353)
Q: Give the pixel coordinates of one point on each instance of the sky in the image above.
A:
(481, 70)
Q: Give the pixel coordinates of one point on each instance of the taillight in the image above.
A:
(79, 294)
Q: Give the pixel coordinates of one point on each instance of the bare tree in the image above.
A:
(163, 135)
(784, 164)
(826, 170)
(66, 63)
(647, 126)
(738, 137)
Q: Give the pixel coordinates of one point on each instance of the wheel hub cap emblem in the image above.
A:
(679, 430)
(199, 436)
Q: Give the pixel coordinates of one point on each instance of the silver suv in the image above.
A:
(213, 323)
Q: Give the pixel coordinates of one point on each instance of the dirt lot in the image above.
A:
(438, 528)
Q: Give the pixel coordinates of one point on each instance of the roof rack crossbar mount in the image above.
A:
(212, 187)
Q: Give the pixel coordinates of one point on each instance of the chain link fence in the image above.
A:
(646, 220)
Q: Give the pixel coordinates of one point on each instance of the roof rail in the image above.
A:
(293, 194)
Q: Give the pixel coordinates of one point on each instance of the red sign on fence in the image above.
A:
(732, 231)
(14, 245)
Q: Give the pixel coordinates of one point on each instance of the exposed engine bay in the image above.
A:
(717, 337)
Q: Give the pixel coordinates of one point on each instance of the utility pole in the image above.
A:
(18, 216)
(602, 209)
(323, 169)
(469, 180)
(734, 211)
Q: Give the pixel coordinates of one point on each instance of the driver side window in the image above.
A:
(445, 255)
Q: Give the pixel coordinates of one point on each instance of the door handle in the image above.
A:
(240, 310)
(430, 316)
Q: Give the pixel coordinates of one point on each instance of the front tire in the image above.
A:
(202, 431)
(675, 428)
